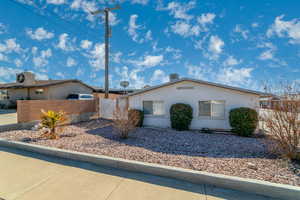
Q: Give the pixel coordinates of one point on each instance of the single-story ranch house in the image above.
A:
(211, 102)
(27, 87)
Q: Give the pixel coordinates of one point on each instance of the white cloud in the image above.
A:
(96, 56)
(289, 29)
(176, 53)
(10, 45)
(135, 80)
(238, 29)
(60, 75)
(41, 76)
(117, 57)
(148, 35)
(86, 44)
(56, 2)
(86, 6)
(3, 57)
(150, 61)
(8, 74)
(42, 59)
(185, 29)
(143, 2)
(79, 72)
(133, 27)
(113, 20)
(268, 54)
(179, 10)
(255, 25)
(65, 43)
(159, 76)
(39, 34)
(71, 62)
(199, 72)
(76, 4)
(18, 62)
(231, 61)
(137, 32)
(215, 46)
(233, 76)
(205, 19)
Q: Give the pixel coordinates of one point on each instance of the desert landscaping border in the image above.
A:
(286, 192)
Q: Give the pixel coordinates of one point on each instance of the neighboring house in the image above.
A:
(211, 102)
(27, 87)
(271, 101)
(3, 94)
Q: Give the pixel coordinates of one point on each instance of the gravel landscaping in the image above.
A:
(218, 153)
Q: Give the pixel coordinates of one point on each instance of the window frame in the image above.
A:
(39, 91)
(211, 117)
(153, 115)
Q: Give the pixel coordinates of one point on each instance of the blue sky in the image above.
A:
(235, 42)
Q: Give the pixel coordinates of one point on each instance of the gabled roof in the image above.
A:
(195, 81)
(41, 83)
(113, 90)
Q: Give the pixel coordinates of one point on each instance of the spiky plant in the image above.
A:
(50, 120)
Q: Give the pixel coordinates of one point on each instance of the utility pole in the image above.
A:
(106, 39)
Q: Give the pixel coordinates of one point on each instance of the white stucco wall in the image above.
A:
(199, 92)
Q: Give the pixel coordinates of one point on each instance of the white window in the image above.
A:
(39, 91)
(212, 109)
(153, 107)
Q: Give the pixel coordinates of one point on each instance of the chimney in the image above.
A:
(173, 77)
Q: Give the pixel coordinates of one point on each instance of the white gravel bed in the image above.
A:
(217, 153)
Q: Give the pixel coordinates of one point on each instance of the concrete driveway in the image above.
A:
(27, 176)
(8, 117)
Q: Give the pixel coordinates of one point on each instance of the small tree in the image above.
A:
(123, 123)
(282, 121)
(50, 120)
(181, 116)
(243, 121)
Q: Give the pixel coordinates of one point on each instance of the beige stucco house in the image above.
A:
(27, 87)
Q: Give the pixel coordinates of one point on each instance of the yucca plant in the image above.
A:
(50, 120)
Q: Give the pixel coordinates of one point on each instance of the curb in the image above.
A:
(286, 192)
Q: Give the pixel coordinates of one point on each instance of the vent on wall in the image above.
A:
(185, 88)
(173, 77)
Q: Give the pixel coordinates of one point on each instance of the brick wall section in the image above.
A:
(30, 110)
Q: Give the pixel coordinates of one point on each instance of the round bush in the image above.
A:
(137, 116)
(181, 116)
(243, 121)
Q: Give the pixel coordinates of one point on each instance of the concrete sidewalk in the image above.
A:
(8, 117)
(25, 175)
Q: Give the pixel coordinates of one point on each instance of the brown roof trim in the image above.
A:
(45, 83)
(195, 81)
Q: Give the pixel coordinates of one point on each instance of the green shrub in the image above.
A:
(137, 116)
(181, 116)
(243, 121)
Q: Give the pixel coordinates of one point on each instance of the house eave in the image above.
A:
(195, 81)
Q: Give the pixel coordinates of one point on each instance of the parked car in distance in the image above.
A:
(80, 97)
